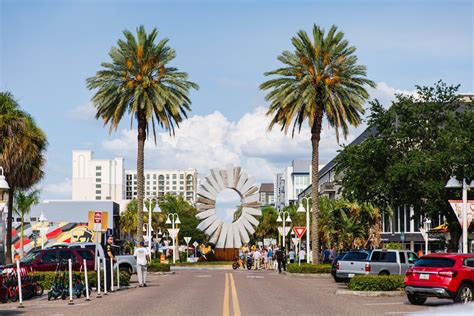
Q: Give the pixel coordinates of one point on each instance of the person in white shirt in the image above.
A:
(301, 255)
(292, 256)
(256, 259)
(143, 258)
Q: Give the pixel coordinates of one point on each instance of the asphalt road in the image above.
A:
(226, 292)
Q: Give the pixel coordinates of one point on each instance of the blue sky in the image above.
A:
(49, 48)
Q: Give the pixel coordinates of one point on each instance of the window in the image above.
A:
(174, 188)
(33, 219)
(65, 255)
(181, 188)
(469, 262)
(435, 262)
(98, 174)
(148, 176)
(154, 176)
(402, 257)
(98, 186)
(385, 256)
(174, 182)
(86, 254)
(134, 176)
(49, 257)
(98, 167)
(97, 197)
(412, 258)
(174, 176)
(167, 176)
(98, 180)
(98, 192)
(181, 176)
(148, 183)
(356, 256)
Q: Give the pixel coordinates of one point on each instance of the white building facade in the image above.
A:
(96, 179)
(161, 182)
(291, 182)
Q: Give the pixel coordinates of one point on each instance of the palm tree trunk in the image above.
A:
(315, 138)
(140, 171)
(8, 254)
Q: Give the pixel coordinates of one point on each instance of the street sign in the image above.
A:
(98, 221)
(287, 230)
(195, 244)
(299, 231)
(173, 232)
(187, 239)
(457, 207)
(296, 241)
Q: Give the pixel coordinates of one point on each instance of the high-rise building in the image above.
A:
(161, 182)
(267, 194)
(291, 182)
(96, 179)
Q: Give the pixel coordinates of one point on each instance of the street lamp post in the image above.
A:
(306, 209)
(284, 216)
(44, 227)
(427, 227)
(454, 183)
(4, 187)
(156, 209)
(173, 219)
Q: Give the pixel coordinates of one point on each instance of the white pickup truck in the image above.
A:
(376, 262)
(126, 263)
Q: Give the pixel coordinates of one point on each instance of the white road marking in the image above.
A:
(255, 277)
(376, 304)
(398, 313)
(203, 276)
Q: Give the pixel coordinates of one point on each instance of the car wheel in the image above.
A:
(338, 280)
(126, 270)
(384, 273)
(416, 300)
(465, 294)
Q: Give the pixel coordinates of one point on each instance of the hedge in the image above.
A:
(156, 266)
(91, 277)
(376, 283)
(308, 268)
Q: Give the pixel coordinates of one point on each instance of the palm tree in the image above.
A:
(140, 82)
(22, 153)
(22, 206)
(320, 78)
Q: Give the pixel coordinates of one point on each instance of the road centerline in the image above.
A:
(235, 298)
(225, 308)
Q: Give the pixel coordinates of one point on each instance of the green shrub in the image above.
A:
(156, 266)
(91, 277)
(392, 245)
(376, 283)
(309, 268)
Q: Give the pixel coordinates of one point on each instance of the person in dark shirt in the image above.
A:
(281, 258)
(109, 256)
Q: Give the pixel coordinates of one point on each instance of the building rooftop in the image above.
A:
(266, 187)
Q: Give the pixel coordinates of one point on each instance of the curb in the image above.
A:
(371, 293)
(307, 275)
(202, 267)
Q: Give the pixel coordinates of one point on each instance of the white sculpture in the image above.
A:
(222, 234)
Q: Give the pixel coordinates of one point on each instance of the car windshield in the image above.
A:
(340, 255)
(29, 257)
(435, 262)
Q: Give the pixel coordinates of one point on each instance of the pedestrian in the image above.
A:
(332, 254)
(109, 257)
(265, 259)
(301, 255)
(326, 255)
(257, 258)
(281, 259)
(143, 258)
(292, 256)
(270, 258)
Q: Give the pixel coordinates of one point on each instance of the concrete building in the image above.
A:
(161, 182)
(291, 182)
(267, 194)
(96, 179)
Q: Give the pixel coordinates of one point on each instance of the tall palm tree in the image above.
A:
(22, 206)
(22, 153)
(140, 82)
(320, 78)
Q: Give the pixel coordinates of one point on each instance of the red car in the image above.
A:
(441, 275)
(57, 258)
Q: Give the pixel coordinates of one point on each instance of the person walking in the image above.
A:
(292, 256)
(257, 259)
(270, 258)
(281, 259)
(143, 258)
(109, 256)
(301, 255)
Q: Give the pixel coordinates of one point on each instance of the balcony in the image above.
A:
(327, 187)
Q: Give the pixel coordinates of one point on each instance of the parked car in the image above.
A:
(378, 262)
(334, 263)
(52, 259)
(344, 265)
(126, 263)
(441, 275)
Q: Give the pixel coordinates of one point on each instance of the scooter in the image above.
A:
(57, 286)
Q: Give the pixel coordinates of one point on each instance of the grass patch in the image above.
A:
(376, 283)
(308, 268)
(156, 266)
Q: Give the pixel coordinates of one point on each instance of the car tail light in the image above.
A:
(337, 266)
(367, 267)
(447, 273)
(409, 272)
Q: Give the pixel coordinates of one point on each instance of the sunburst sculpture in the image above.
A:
(221, 234)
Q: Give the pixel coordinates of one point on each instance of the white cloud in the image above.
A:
(60, 189)
(386, 94)
(84, 112)
(213, 141)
